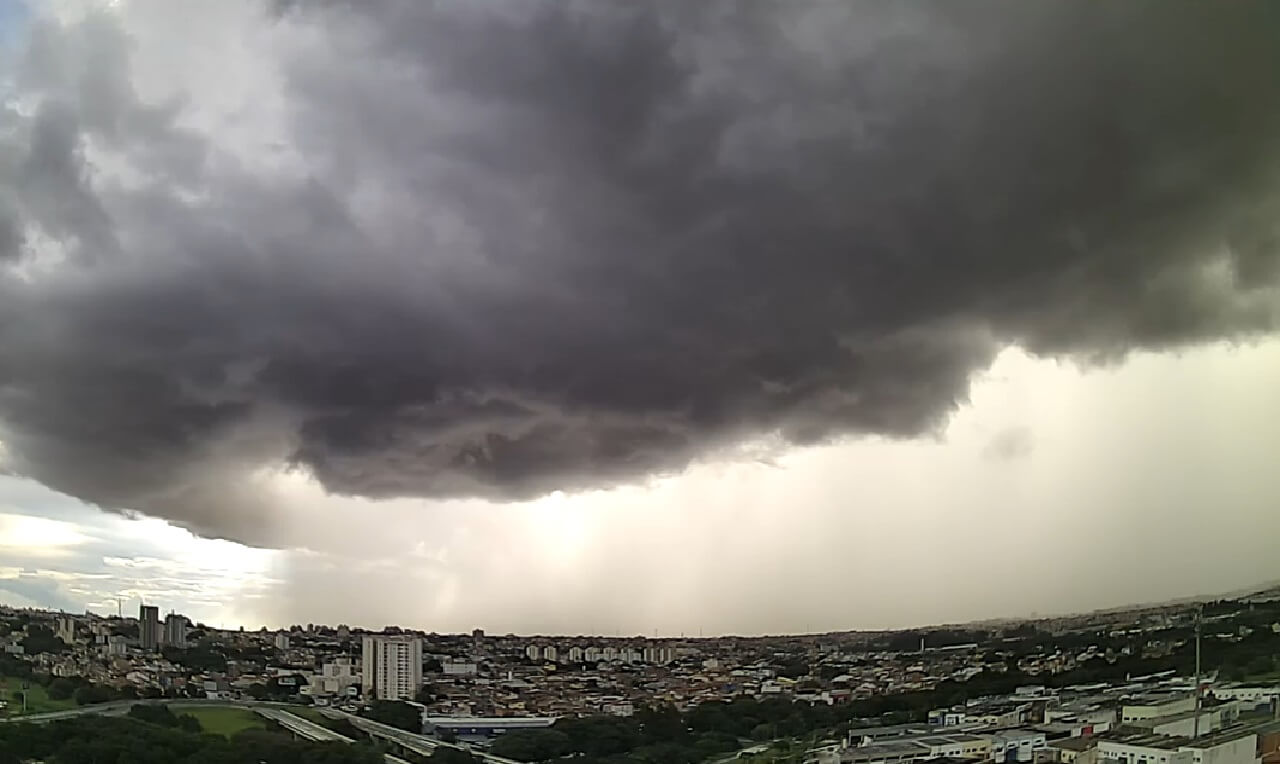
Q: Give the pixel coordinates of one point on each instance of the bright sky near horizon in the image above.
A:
(564, 318)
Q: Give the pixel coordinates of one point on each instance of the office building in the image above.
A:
(1152, 705)
(338, 677)
(149, 627)
(175, 631)
(392, 667)
(282, 640)
(459, 668)
(1228, 747)
(116, 647)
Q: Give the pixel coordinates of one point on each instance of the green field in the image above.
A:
(38, 701)
(224, 721)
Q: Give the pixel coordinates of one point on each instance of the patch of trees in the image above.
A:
(532, 745)
(82, 691)
(11, 666)
(199, 659)
(164, 717)
(103, 740)
(909, 641)
(653, 736)
(41, 640)
(343, 726)
(445, 755)
(396, 713)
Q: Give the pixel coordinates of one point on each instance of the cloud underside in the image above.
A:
(500, 249)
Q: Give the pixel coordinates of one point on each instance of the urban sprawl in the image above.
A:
(1187, 683)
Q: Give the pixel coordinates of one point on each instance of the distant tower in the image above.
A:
(149, 627)
(1195, 728)
(175, 631)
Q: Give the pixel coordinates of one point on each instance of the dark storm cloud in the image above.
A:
(545, 246)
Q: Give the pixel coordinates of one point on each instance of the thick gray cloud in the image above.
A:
(519, 247)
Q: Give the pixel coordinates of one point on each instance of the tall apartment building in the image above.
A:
(659, 655)
(392, 667)
(67, 629)
(175, 630)
(149, 627)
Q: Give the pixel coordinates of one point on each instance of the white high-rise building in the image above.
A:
(549, 653)
(392, 667)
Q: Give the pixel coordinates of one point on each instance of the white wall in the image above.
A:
(1132, 712)
(1242, 750)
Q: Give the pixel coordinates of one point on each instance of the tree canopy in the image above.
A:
(397, 713)
(132, 740)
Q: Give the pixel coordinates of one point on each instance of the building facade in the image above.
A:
(149, 627)
(391, 667)
(175, 631)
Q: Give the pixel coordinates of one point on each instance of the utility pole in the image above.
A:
(1195, 723)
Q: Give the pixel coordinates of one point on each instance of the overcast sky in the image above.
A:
(633, 318)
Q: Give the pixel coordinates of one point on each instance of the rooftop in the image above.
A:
(1073, 743)
(1144, 739)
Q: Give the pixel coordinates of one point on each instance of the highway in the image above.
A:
(302, 727)
(308, 729)
(121, 707)
(419, 744)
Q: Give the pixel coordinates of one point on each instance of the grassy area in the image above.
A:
(38, 701)
(224, 721)
(310, 714)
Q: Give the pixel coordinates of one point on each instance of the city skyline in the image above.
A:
(479, 634)
(548, 318)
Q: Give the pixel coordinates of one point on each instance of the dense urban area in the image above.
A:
(1186, 683)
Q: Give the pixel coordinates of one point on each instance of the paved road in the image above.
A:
(120, 707)
(312, 731)
(302, 727)
(420, 744)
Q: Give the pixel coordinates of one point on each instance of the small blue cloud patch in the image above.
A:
(13, 18)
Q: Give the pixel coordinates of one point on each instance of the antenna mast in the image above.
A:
(1195, 724)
